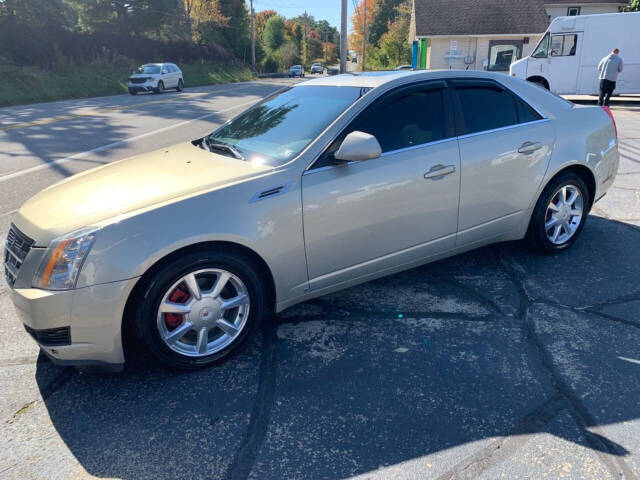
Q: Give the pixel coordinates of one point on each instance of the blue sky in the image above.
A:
(320, 9)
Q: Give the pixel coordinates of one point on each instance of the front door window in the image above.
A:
(542, 50)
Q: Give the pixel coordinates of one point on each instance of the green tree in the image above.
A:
(260, 21)
(126, 16)
(235, 35)
(40, 14)
(288, 54)
(392, 48)
(273, 35)
(384, 14)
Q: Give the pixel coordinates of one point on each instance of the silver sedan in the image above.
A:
(328, 184)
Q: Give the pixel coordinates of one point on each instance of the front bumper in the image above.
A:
(93, 316)
(141, 87)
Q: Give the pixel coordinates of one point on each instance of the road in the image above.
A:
(495, 364)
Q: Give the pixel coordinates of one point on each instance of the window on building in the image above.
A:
(502, 53)
(563, 45)
(542, 48)
(573, 11)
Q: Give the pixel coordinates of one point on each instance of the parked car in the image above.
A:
(404, 67)
(296, 71)
(566, 58)
(186, 248)
(333, 71)
(155, 77)
(317, 68)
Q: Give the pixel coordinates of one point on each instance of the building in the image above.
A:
(489, 34)
(559, 8)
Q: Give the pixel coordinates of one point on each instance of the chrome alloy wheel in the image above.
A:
(203, 312)
(564, 214)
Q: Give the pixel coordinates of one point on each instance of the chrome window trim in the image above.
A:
(414, 147)
(493, 130)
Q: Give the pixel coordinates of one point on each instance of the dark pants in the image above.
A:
(606, 89)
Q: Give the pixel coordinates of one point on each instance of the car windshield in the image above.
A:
(149, 69)
(296, 67)
(279, 128)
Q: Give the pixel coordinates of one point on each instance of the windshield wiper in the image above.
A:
(223, 147)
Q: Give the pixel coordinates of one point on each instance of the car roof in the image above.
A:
(533, 94)
(376, 79)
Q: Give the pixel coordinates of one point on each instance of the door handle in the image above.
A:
(439, 171)
(529, 147)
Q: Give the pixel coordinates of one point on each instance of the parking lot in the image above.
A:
(495, 364)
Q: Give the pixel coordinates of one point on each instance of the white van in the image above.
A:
(566, 59)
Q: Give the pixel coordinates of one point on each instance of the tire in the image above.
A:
(132, 92)
(545, 221)
(159, 88)
(180, 86)
(168, 287)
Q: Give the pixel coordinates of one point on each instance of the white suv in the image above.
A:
(155, 77)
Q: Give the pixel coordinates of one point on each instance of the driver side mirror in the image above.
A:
(357, 147)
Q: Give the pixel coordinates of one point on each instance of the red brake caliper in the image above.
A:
(179, 295)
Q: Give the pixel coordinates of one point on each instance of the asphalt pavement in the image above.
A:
(495, 364)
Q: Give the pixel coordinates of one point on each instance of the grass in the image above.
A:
(23, 85)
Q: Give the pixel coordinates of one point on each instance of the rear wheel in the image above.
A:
(198, 309)
(180, 86)
(560, 214)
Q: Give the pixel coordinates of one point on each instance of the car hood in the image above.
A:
(118, 188)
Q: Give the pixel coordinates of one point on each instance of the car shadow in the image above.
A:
(493, 346)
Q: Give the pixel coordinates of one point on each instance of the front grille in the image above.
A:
(51, 337)
(137, 80)
(15, 250)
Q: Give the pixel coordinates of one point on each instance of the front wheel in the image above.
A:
(560, 214)
(160, 87)
(198, 309)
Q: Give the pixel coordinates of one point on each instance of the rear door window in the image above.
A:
(487, 106)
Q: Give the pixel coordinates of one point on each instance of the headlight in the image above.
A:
(63, 260)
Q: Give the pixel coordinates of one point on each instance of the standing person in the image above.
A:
(609, 68)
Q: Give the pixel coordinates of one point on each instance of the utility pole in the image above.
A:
(343, 38)
(253, 40)
(364, 32)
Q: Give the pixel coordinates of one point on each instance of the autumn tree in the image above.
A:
(260, 21)
(356, 35)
